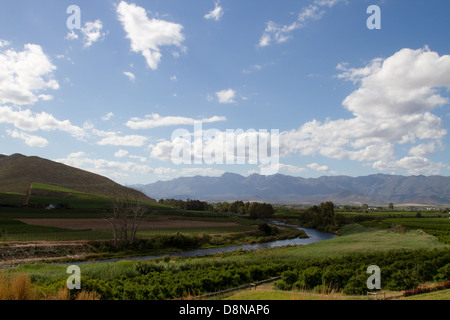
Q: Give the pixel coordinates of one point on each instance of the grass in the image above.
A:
(352, 243)
(436, 295)
(18, 286)
(439, 227)
(269, 292)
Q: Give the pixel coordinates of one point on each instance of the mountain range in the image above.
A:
(17, 172)
(377, 189)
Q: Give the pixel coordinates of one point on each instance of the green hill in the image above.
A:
(19, 172)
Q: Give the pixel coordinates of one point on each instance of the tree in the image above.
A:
(364, 207)
(391, 206)
(126, 217)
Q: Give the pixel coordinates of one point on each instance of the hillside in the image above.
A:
(18, 172)
(373, 189)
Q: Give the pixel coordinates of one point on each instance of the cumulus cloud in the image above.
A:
(102, 166)
(220, 147)
(291, 169)
(23, 74)
(72, 35)
(121, 153)
(155, 120)
(226, 96)
(30, 140)
(122, 169)
(127, 141)
(147, 36)
(317, 167)
(392, 106)
(27, 120)
(215, 14)
(413, 165)
(4, 43)
(92, 32)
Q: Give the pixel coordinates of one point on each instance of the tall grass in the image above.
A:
(18, 286)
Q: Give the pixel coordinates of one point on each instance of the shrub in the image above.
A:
(146, 267)
(288, 279)
(356, 285)
(309, 278)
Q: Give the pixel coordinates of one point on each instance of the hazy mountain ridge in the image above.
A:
(373, 189)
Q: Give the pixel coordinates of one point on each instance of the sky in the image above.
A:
(141, 91)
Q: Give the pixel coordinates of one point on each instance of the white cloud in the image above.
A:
(291, 169)
(45, 97)
(265, 40)
(140, 158)
(130, 75)
(92, 32)
(28, 121)
(215, 146)
(4, 43)
(121, 154)
(423, 150)
(317, 167)
(147, 36)
(282, 33)
(210, 172)
(155, 120)
(216, 13)
(102, 166)
(72, 35)
(108, 116)
(126, 141)
(253, 68)
(30, 140)
(24, 73)
(392, 106)
(413, 165)
(226, 96)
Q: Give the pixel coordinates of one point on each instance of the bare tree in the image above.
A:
(127, 215)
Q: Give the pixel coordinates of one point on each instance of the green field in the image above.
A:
(397, 241)
(174, 277)
(438, 227)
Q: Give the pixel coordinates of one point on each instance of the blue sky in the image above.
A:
(346, 100)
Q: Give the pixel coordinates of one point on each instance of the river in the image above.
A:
(313, 236)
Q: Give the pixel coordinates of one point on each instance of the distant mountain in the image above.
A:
(375, 189)
(18, 172)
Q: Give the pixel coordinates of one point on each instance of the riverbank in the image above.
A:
(15, 253)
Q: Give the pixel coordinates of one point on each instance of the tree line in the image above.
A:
(252, 209)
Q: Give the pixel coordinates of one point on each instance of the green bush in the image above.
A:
(309, 278)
